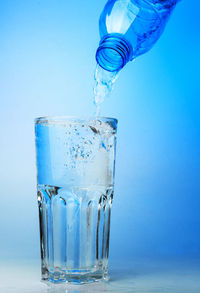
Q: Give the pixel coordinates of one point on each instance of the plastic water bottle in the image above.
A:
(129, 28)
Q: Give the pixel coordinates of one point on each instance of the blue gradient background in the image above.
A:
(47, 60)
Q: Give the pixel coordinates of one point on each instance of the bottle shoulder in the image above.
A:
(120, 15)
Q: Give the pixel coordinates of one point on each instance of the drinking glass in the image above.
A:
(75, 179)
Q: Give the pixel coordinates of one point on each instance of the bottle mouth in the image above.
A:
(113, 53)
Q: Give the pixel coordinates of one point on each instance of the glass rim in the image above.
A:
(81, 119)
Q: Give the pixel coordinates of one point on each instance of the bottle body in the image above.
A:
(129, 28)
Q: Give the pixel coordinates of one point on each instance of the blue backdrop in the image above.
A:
(47, 60)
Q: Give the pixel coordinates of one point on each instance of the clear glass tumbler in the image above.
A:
(75, 178)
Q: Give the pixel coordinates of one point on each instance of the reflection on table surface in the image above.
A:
(136, 277)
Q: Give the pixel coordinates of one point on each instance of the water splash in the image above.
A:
(103, 85)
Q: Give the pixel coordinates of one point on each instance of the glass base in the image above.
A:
(74, 276)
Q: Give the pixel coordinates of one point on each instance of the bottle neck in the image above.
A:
(113, 52)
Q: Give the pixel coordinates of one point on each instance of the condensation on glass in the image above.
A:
(75, 176)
